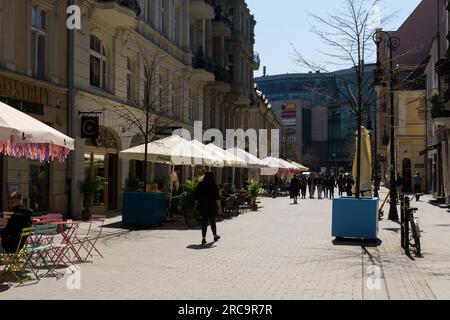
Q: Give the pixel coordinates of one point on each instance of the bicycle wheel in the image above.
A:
(415, 236)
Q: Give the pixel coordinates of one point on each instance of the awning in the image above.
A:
(431, 148)
(22, 136)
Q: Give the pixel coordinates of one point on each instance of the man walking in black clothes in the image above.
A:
(331, 185)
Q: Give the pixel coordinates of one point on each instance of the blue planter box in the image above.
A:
(144, 209)
(355, 218)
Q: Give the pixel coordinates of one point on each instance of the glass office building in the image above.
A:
(324, 127)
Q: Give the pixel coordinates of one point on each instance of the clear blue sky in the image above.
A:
(284, 21)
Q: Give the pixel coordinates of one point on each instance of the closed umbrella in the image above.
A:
(366, 164)
(24, 136)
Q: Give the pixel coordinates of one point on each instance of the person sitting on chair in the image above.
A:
(20, 219)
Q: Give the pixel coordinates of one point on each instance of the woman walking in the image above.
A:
(208, 203)
(294, 188)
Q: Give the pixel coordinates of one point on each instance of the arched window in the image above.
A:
(97, 63)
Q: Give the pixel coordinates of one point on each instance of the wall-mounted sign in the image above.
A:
(420, 166)
(289, 106)
(289, 114)
(292, 139)
(289, 122)
(290, 132)
(165, 131)
(22, 91)
(13, 187)
(89, 127)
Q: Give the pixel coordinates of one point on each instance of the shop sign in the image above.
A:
(165, 131)
(290, 131)
(289, 122)
(289, 114)
(289, 106)
(89, 127)
(23, 91)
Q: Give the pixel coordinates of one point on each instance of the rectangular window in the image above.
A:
(129, 97)
(39, 186)
(38, 41)
(95, 72)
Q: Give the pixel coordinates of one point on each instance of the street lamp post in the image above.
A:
(392, 44)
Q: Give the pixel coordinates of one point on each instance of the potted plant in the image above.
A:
(189, 210)
(134, 185)
(254, 189)
(90, 187)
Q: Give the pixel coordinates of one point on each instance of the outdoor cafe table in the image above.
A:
(68, 237)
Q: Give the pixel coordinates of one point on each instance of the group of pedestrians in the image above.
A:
(324, 185)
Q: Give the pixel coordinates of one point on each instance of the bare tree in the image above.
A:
(349, 34)
(153, 110)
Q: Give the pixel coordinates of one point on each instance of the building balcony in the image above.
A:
(256, 61)
(222, 24)
(201, 61)
(223, 74)
(118, 12)
(202, 9)
(203, 68)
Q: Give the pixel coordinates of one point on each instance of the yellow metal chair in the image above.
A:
(14, 262)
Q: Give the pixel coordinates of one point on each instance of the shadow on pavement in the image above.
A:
(201, 247)
(396, 230)
(4, 287)
(166, 226)
(357, 242)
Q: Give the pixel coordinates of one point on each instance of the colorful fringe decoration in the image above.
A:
(34, 151)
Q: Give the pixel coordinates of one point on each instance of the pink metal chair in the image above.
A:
(87, 242)
(65, 252)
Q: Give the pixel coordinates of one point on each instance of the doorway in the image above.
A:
(101, 163)
(407, 175)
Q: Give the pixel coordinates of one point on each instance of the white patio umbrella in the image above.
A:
(229, 159)
(299, 166)
(24, 136)
(252, 162)
(276, 163)
(173, 150)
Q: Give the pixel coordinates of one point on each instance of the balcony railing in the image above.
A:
(221, 16)
(223, 74)
(200, 61)
(439, 111)
(130, 4)
(256, 59)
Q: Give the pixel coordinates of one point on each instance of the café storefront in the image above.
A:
(43, 185)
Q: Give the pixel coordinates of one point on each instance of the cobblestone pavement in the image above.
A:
(283, 251)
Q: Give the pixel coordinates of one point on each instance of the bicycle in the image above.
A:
(413, 222)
